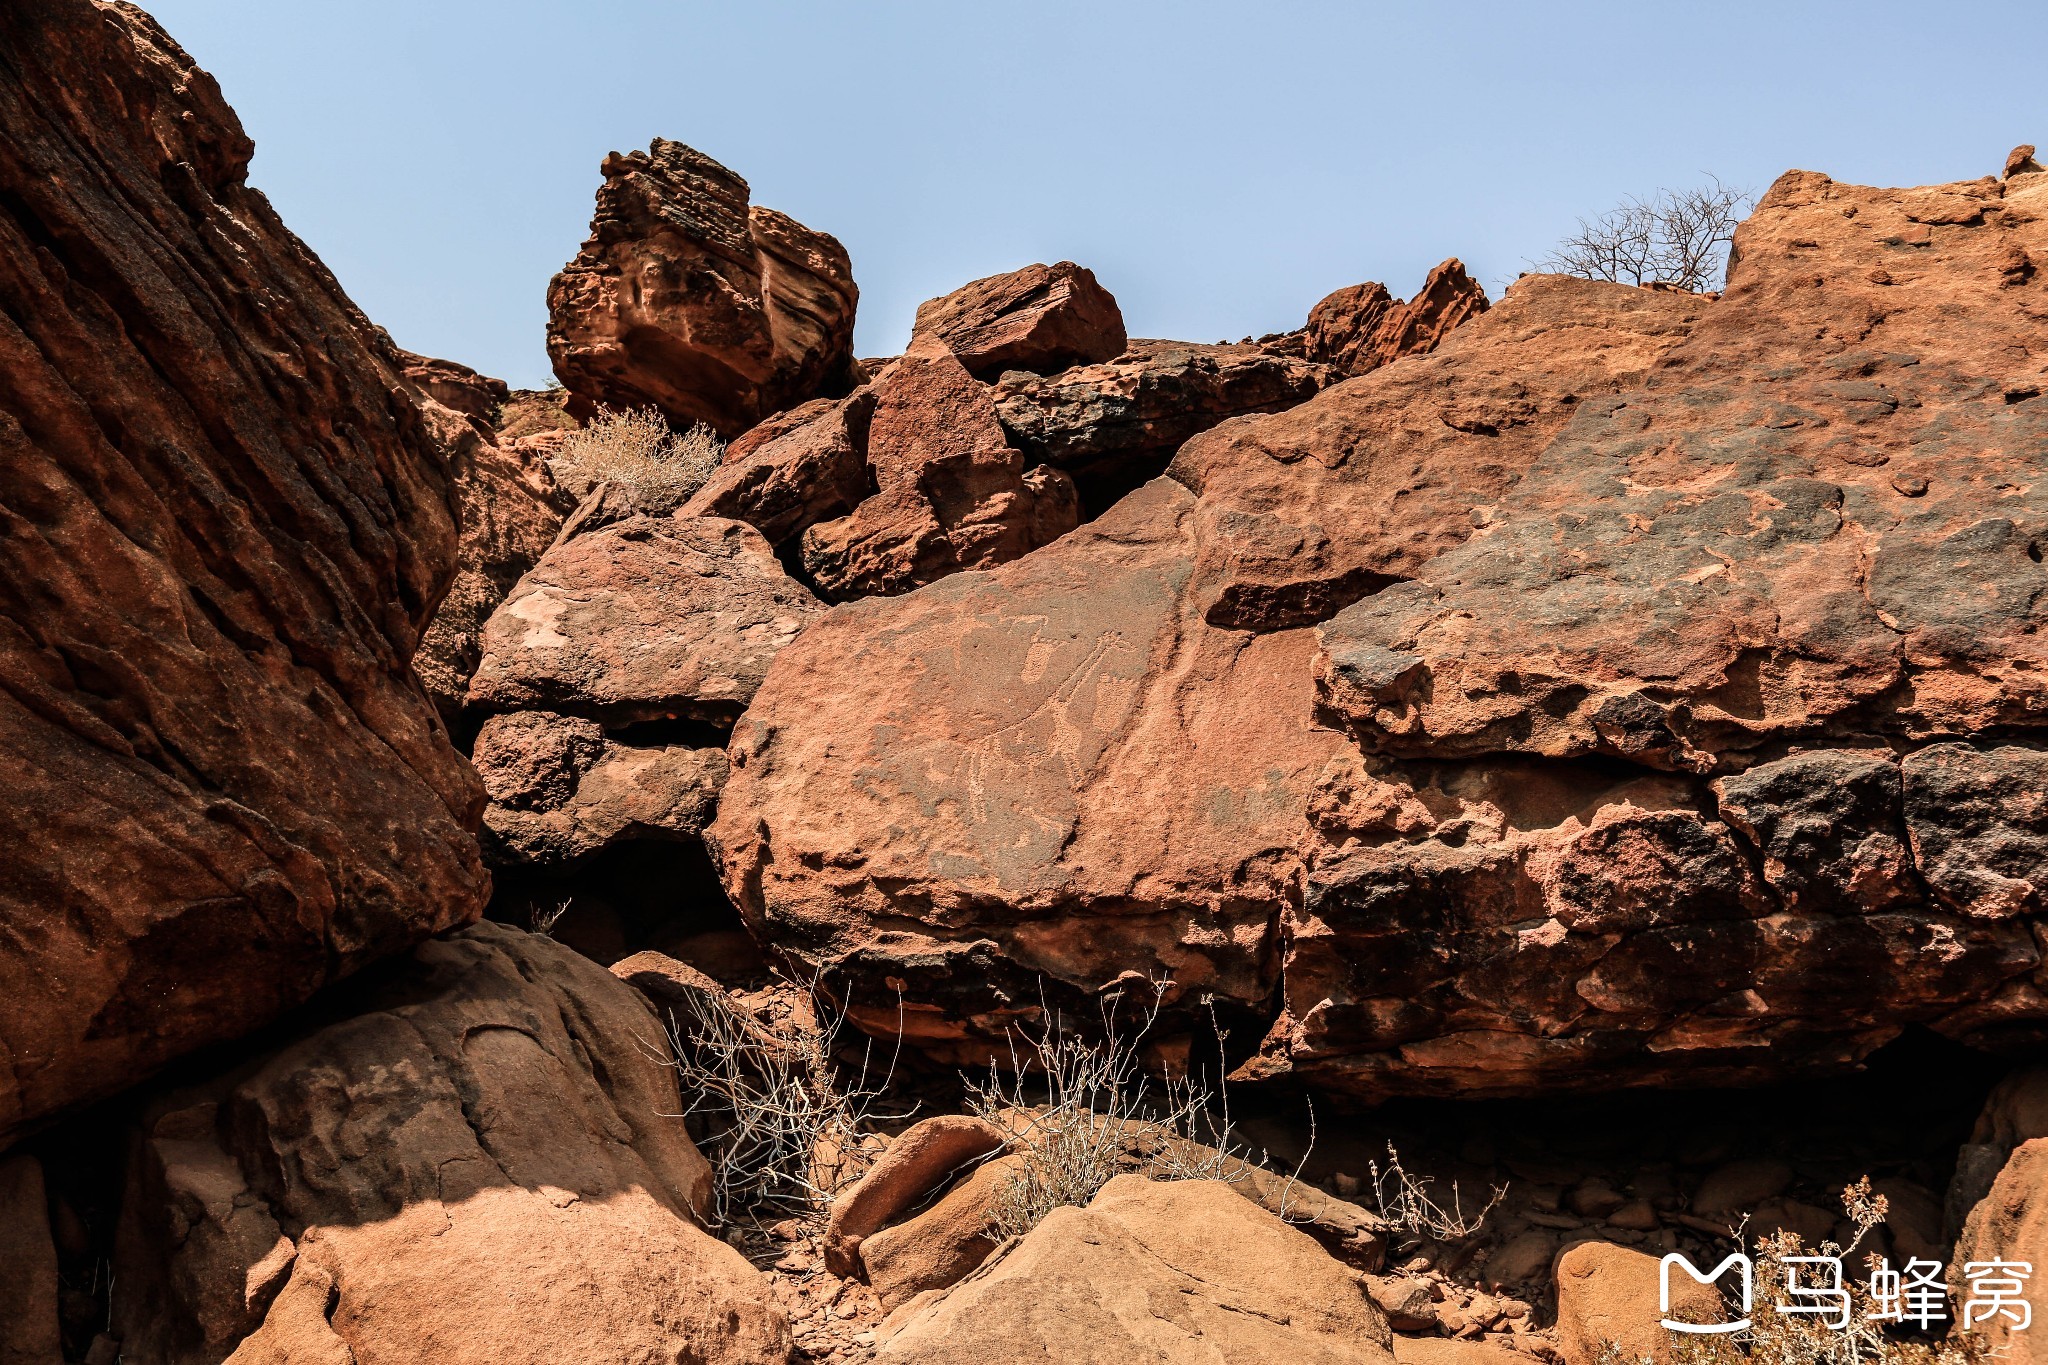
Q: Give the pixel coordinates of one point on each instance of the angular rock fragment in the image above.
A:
(792, 472)
(1362, 327)
(560, 790)
(1042, 318)
(1115, 424)
(689, 300)
(950, 492)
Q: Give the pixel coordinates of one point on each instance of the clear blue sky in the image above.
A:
(1219, 166)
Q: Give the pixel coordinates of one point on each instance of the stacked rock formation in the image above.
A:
(689, 299)
(1639, 688)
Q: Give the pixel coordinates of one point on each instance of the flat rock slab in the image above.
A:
(646, 618)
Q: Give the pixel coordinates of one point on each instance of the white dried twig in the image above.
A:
(787, 1125)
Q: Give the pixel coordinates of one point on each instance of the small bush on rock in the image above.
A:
(640, 451)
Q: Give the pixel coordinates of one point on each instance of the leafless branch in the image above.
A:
(1678, 238)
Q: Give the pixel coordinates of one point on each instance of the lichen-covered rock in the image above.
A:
(478, 1161)
(1041, 318)
(688, 299)
(645, 618)
(1574, 705)
(228, 523)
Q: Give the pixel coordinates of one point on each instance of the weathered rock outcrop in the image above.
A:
(478, 397)
(645, 618)
(1176, 1272)
(228, 523)
(479, 1162)
(688, 299)
(1041, 318)
(561, 789)
(1362, 327)
(1572, 706)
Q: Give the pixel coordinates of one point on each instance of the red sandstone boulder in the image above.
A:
(1041, 318)
(230, 521)
(1362, 327)
(478, 1161)
(793, 471)
(950, 492)
(688, 299)
(1170, 1272)
(922, 1159)
(1570, 706)
(646, 618)
(561, 790)
(511, 510)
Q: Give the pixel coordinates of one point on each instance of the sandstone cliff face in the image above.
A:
(228, 522)
(688, 299)
(1639, 687)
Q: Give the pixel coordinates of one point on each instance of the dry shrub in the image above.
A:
(786, 1125)
(1083, 1111)
(1407, 1201)
(638, 450)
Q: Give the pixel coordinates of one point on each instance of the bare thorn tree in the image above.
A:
(1678, 238)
